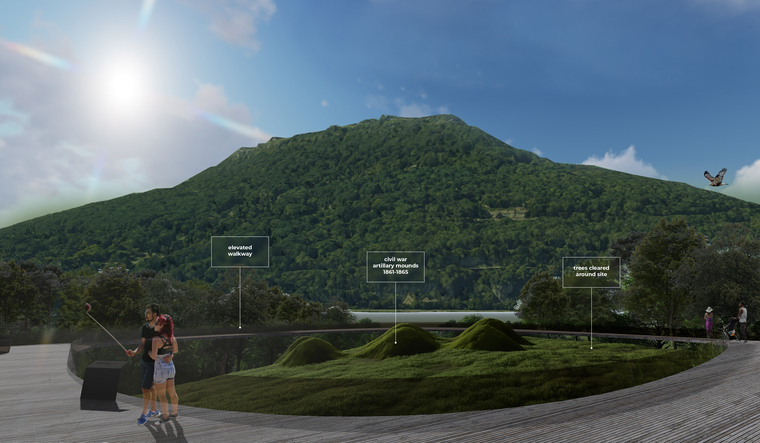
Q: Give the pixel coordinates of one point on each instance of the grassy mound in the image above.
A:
(505, 329)
(292, 346)
(309, 350)
(404, 339)
(484, 337)
(445, 381)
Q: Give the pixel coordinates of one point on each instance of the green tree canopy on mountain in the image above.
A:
(487, 215)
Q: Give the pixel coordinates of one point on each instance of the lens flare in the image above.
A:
(36, 54)
(245, 130)
(97, 173)
(145, 13)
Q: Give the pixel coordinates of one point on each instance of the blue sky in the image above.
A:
(102, 99)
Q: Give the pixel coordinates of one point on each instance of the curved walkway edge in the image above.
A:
(716, 401)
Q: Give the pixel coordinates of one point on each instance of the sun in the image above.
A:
(124, 86)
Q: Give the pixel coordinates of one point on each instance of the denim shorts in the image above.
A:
(163, 371)
(147, 374)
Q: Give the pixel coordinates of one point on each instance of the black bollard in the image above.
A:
(101, 380)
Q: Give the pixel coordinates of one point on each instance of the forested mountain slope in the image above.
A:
(487, 215)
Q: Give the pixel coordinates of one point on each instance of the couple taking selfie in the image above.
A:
(159, 347)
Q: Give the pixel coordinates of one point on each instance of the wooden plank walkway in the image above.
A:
(716, 401)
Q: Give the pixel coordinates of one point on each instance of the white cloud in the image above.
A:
(235, 21)
(325, 103)
(536, 151)
(413, 110)
(626, 161)
(746, 184)
(377, 102)
(417, 110)
(211, 97)
(62, 151)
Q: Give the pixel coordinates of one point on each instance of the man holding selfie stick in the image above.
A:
(147, 364)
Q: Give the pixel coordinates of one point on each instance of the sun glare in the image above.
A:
(124, 85)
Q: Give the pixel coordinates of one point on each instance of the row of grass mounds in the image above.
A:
(488, 334)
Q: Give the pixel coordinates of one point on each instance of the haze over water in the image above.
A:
(433, 316)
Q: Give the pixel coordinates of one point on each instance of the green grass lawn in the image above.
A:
(446, 380)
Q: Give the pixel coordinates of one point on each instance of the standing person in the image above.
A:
(146, 365)
(164, 344)
(709, 321)
(742, 316)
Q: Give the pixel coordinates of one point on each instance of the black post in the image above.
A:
(101, 380)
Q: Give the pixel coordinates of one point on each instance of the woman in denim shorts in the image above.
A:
(163, 372)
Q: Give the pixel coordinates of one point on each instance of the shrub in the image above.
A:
(469, 320)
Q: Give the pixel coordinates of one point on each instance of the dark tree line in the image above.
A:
(671, 274)
(34, 298)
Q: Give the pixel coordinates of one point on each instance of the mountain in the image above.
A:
(487, 215)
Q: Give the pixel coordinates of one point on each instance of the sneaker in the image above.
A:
(143, 418)
(165, 419)
(174, 415)
(153, 414)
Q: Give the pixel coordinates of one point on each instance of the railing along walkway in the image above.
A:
(540, 332)
(534, 332)
(716, 401)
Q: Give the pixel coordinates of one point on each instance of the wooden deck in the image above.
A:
(714, 402)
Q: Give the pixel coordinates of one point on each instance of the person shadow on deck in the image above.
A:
(172, 431)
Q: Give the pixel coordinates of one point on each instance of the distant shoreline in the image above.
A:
(386, 316)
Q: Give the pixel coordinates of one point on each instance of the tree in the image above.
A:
(624, 248)
(17, 294)
(294, 309)
(47, 281)
(734, 236)
(255, 305)
(199, 310)
(542, 299)
(656, 293)
(115, 297)
(726, 272)
(580, 305)
(70, 312)
(183, 301)
(337, 312)
(32, 313)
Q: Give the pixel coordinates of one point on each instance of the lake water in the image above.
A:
(433, 316)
